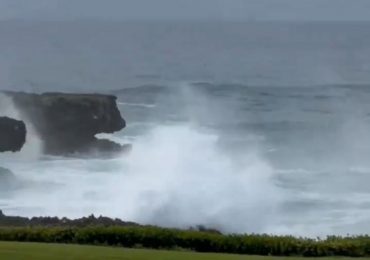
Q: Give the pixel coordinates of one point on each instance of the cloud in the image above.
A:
(186, 9)
(19, 9)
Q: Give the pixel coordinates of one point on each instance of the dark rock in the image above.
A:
(67, 123)
(12, 134)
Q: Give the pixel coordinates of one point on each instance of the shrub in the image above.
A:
(162, 238)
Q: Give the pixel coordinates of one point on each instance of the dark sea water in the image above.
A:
(245, 127)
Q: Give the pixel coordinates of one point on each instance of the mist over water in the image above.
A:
(243, 128)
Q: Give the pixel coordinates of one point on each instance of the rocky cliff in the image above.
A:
(68, 123)
(12, 134)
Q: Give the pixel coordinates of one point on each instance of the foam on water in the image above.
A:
(175, 176)
(136, 104)
(187, 169)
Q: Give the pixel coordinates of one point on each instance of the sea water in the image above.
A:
(256, 127)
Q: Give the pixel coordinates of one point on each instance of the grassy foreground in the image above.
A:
(39, 251)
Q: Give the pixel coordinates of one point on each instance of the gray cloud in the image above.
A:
(186, 9)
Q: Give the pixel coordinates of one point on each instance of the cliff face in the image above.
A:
(12, 134)
(68, 123)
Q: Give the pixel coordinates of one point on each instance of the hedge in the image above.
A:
(163, 238)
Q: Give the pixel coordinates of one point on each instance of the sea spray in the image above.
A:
(176, 176)
(32, 149)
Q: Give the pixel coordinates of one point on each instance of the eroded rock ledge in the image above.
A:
(68, 123)
(12, 134)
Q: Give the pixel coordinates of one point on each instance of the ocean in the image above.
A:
(245, 127)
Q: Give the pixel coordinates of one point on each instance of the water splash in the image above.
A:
(32, 149)
(175, 176)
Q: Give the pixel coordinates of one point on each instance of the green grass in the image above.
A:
(39, 251)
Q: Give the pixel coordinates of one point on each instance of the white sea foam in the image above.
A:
(175, 176)
(136, 104)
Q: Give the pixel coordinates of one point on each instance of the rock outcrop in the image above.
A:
(67, 123)
(12, 134)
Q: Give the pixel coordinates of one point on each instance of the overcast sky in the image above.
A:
(185, 9)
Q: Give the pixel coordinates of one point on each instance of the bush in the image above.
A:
(162, 238)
